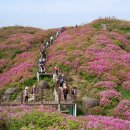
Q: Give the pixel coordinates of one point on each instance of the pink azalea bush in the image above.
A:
(105, 96)
(126, 85)
(98, 67)
(127, 76)
(25, 55)
(65, 36)
(104, 122)
(22, 37)
(120, 38)
(122, 109)
(19, 111)
(2, 62)
(104, 55)
(22, 46)
(7, 77)
(106, 84)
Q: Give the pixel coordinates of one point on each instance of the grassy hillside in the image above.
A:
(19, 53)
(96, 60)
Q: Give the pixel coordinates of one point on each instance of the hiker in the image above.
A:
(51, 39)
(34, 89)
(57, 34)
(42, 48)
(76, 26)
(43, 61)
(65, 92)
(41, 66)
(55, 77)
(43, 54)
(26, 94)
(62, 29)
(47, 44)
(74, 92)
(56, 70)
(64, 85)
(42, 69)
(60, 81)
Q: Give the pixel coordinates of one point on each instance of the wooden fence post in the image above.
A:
(22, 97)
(41, 96)
(38, 76)
(59, 98)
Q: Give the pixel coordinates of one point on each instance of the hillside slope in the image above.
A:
(96, 59)
(19, 53)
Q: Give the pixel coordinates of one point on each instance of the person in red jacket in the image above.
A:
(56, 70)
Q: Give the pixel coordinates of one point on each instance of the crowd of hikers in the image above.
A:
(58, 78)
(43, 54)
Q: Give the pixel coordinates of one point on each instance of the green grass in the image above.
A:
(88, 77)
(125, 94)
(125, 29)
(13, 96)
(30, 81)
(3, 54)
(64, 68)
(49, 80)
(15, 53)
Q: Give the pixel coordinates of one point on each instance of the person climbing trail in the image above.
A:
(42, 48)
(46, 44)
(34, 90)
(55, 77)
(26, 94)
(44, 60)
(65, 92)
(41, 66)
(51, 39)
(56, 70)
(74, 92)
(62, 29)
(65, 85)
(43, 54)
(60, 81)
(57, 34)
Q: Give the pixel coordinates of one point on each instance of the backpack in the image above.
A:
(61, 80)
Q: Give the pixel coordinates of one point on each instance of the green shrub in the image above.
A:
(124, 93)
(4, 124)
(64, 68)
(17, 40)
(88, 77)
(43, 121)
(70, 48)
(13, 96)
(124, 47)
(31, 81)
(117, 42)
(125, 29)
(90, 41)
(50, 81)
(15, 52)
(60, 48)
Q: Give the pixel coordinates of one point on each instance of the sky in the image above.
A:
(57, 13)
